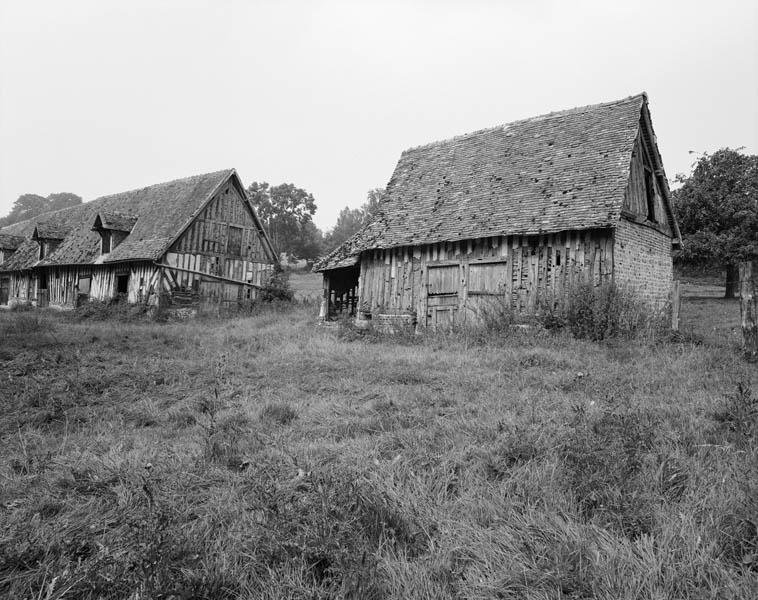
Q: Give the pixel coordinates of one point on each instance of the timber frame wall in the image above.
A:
(450, 280)
(220, 256)
(220, 247)
(63, 283)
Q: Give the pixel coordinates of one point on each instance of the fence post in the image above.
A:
(676, 302)
(749, 306)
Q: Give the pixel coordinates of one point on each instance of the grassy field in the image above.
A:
(306, 285)
(266, 457)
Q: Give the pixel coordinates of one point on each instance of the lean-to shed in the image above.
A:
(192, 238)
(510, 213)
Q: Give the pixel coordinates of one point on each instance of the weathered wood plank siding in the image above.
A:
(104, 285)
(224, 241)
(635, 198)
(256, 273)
(65, 283)
(22, 287)
(470, 273)
(209, 233)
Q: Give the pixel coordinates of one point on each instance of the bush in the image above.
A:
(277, 287)
(498, 316)
(112, 309)
(598, 312)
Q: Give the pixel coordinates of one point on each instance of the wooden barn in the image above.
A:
(510, 213)
(185, 240)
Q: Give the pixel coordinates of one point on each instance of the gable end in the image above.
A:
(647, 198)
(226, 224)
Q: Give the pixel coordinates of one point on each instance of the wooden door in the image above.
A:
(43, 297)
(442, 287)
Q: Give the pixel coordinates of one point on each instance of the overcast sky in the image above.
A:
(98, 97)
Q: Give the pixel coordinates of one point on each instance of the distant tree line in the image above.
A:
(28, 206)
(287, 213)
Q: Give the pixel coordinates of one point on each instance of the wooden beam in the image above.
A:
(226, 279)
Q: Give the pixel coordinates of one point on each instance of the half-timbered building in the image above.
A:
(512, 213)
(187, 239)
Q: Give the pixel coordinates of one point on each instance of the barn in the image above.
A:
(184, 240)
(511, 213)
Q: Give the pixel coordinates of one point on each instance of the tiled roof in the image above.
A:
(50, 230)
(114, 220)
(162, 210)
(561, 171)
(10, 242)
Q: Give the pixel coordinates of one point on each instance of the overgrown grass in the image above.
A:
(266, 457)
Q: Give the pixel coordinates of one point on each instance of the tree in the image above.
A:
(28, 206)
(373, 202)
(310, 243)
(287, 213)
(350, 220)
(717, 210)
(62, 200)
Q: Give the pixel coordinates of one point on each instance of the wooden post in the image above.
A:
(749, 307)
(323, 313)
(676, 302)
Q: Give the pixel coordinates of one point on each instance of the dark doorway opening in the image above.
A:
(5, 286)
(342, 291)
(122, 284)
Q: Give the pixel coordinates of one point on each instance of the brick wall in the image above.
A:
(642, 260)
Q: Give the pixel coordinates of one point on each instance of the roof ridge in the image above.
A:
(162, 183)
(43, 217)
(552, 114)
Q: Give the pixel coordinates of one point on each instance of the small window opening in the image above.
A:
(41, 250)
(106, 242)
